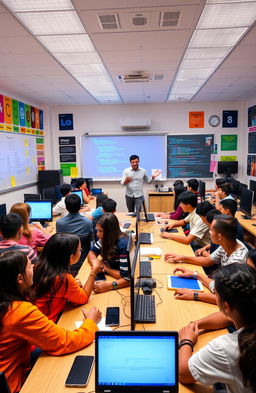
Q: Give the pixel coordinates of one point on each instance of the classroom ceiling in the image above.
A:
(28, 70)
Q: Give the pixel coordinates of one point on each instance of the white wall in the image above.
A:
(170, 118)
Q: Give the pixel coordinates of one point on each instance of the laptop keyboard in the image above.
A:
(145, 238)
(150, 216)
(145, 269)
(145, 310)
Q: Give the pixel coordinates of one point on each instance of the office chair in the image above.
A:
(86, 246)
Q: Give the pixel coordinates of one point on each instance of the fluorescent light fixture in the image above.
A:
(86, 69)
(88, 79)
(216, 16)
(194, 74)
(180, 97)
(38, 5)
(46, 23)
(202, 63)
(67, 43)
(103, 89)
(207, 53)
(78, 58)
(209, 38)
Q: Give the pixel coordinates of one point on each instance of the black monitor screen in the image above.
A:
(201, 189)
(40, 210)
(252, 187)
(134, 290)
(2, 210)
(227, 167)
(246, 201)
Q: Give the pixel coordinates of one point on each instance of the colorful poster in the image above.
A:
(66, 168)
(228, 142)
(196, 119)
(22, 114)
(37, 122)
(15, 112)
(1, 109)
(252, 116)
(32, 116)
(7, 110)
(228, 158)
(41, 119)
(28, 115)
(251, 165)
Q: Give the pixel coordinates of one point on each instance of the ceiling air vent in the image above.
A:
(109, 22)
(169, 19)
(139, 20)
(158, 77)
(135, 78)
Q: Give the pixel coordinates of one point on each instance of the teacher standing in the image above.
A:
(133, 178)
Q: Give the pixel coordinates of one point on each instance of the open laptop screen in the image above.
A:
(136, 361)
(80, 194)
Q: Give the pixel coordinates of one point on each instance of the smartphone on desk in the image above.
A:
(126, 225)
(100, 277)
(80, 372)
(112, 316)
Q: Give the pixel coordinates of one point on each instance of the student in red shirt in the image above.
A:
(53, 284)
(23, 325)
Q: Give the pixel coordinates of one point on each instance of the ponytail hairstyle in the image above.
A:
(23, 210)
(54, 261)
(236, 285)
(111, 234)
(12, 263)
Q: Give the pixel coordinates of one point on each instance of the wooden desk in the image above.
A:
(50, 372)
(160, 201)
(249, 229)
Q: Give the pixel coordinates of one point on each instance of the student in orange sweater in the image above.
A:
(53, 284)
(23, 325)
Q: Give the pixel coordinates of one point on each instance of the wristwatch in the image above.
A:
(195, 295)
(115, 285)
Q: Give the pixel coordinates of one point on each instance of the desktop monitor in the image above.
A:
(80, 194)
(246, 202)
(89, 183)
(2, 210)
(235, 187)
(227, 168)
(136, 362)
(50, 194)
(241, 186)
(252, 187)
(40, 210)
(31, 197)
(201, 189)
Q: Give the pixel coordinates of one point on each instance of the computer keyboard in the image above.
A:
(145, 238)
(150, 217)
(145, 309)
(145, 269)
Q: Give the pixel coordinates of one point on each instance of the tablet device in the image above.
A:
(175, 282)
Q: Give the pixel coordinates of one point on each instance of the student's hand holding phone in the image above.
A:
(184, 294)
(169, 226)
(184, 272)
(94, 314)
(190, 332)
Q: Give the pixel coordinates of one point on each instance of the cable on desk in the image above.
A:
(160, 299)
(118, 327)
(161, 286)
(124, 302)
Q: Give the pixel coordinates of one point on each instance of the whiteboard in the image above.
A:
(104, 157)
(18, 161)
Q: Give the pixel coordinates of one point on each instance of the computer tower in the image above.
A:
(49, 178)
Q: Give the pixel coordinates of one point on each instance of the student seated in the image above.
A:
(199, 232)
(229, 206)
(33, 235)
(207, 218)
(11, 229)
(60, 207)
(53, 285)
(81, 185)
(23, 325)
(178, 213)
(104, 204)
(193, 185)
(229, 359)
(112, 248)
(224, 192)
(223, 232)
(74, 222)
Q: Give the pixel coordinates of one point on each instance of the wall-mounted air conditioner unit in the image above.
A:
(135, 124)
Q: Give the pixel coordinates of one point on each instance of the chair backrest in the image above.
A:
(31, 197)
(86, 246)
(50, 194)
(4, 388)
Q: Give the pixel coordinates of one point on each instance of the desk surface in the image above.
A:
(246, 224)
(50, 372)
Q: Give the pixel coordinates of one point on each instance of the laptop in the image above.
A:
(136, 361)
(80, 194)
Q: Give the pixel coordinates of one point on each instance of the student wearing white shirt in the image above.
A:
(231, 358)
(133, 178)
(60, 207)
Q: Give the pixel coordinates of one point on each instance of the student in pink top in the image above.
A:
(54, 286)
(33, 235)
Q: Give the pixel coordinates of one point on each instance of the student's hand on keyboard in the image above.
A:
(170, 226)
(94, 314)
(184, 272)
(172, 258)
(184, 294)
(102, 286)
(189, 332)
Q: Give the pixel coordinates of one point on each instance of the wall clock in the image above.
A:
(214, 120)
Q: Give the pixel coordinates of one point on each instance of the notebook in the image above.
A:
(175, 282)
(136, 361)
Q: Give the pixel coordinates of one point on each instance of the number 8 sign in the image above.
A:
(229, 119)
